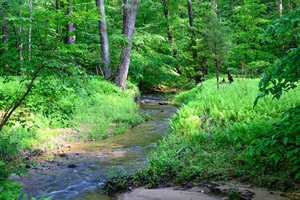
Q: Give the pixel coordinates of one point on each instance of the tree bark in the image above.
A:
(130, 11)
(4, 26)
(190, 11)
(106, 62)
(280, 8)
(70, 37)
(30, 30)
(167, 16)
(20, 45)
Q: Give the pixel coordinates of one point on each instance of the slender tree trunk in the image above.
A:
(280, 8)
(106, 62)
(169, 30)
(4, 26)
(30, 30)
(130, 11)
(198, 77)
(20, 45)
(167, 16)
(70, 37)
(190, 11)
(18, 31)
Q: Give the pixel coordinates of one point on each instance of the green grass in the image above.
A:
(213, 133)
(107, 112)
(99, 111)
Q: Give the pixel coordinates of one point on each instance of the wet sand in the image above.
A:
(195, 193)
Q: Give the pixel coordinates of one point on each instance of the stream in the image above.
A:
(77, 171)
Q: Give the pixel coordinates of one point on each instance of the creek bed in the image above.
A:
(77, 172)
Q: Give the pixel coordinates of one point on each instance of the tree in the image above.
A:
(4, 26)
(190, 12)
(130, 10)
(285, 73)
(48, 56)
(217, 41)
(30, 29)
(70, 37)
(248, 53)
(105, 52)
(281, 77)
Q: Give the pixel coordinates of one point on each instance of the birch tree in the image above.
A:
(129, 17)
(106, 61)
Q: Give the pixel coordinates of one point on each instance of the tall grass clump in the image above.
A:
(107, 111)
(214, 133)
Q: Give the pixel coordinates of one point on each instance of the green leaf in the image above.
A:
(275, 157)
(289, 153)
(297, 175)
(252, 151)
(285, 140)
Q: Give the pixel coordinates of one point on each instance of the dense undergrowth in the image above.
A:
(220, 135)
(97, 111)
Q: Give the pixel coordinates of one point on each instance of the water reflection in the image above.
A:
(94, 160)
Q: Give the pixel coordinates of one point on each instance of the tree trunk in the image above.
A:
(106, 62)
(198, 77)
(70, 37)
(190, 11)
(280, 8)
(130, 11)
(18, 31)
(4, 26)
(19, 42)
(30, 30)
(167, 16)
(169, 31)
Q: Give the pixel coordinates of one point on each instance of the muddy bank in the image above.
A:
(227, 191)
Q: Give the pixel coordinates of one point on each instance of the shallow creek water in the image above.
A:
(94, 160)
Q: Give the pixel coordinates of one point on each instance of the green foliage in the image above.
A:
(232, 104)
(180, 160)
(215, 133)
(284, 74)
(9, 189)
(283, 143)
(249, 23)
(10, 163)
(107, 111)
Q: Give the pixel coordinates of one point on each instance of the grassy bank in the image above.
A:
(219, 135)
(49, 119)
(98, 111)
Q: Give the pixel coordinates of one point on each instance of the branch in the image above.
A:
(17, 104)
